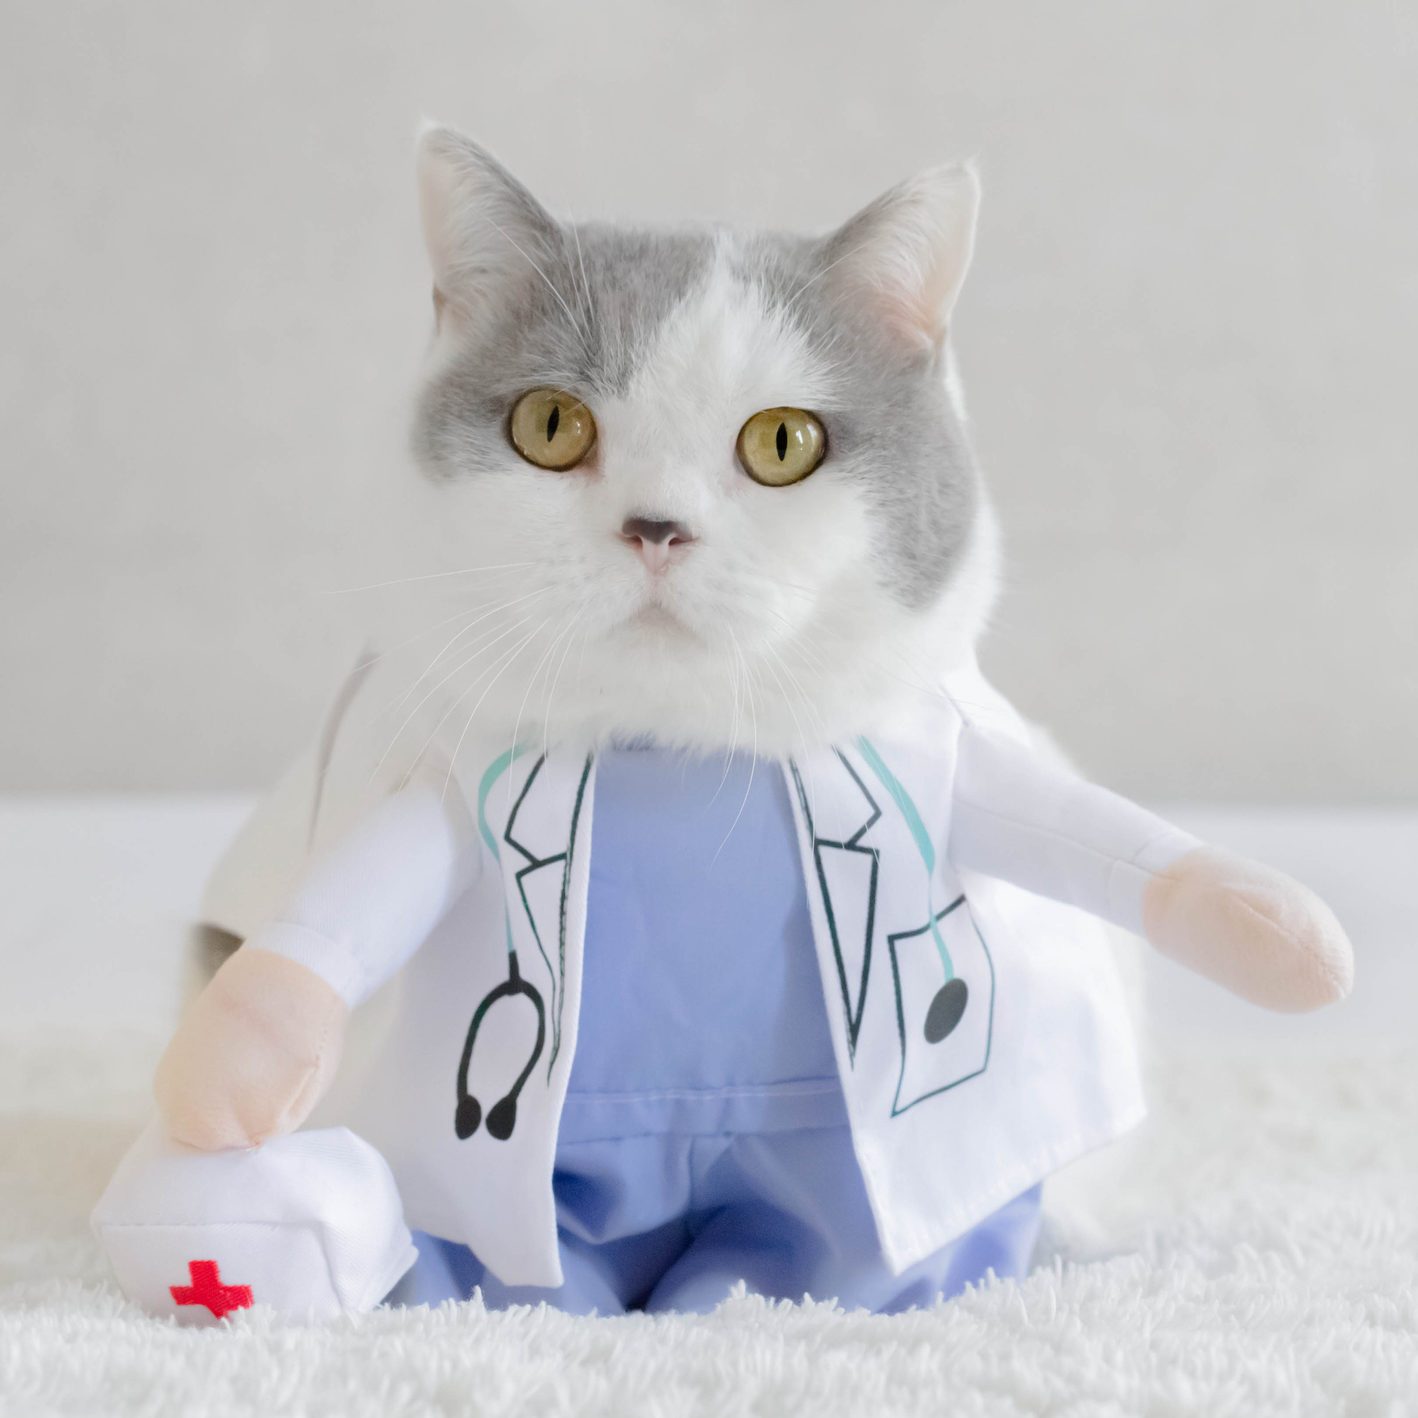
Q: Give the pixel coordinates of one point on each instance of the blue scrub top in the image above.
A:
(701, 1003)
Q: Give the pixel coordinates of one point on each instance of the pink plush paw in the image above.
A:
(252, 1055)
(1250, 928)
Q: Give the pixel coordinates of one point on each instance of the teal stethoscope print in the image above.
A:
(501, 1118)
(948, 1004)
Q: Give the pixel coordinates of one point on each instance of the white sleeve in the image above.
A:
(371, 899)
(1029, 821)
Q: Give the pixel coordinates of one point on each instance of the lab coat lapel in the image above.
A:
(541, 812)
(525, 918)
(837, 814)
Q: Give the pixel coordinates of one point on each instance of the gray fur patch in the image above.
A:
(583, 323)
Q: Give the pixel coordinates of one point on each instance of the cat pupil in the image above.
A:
(553, 421)
(782, 441)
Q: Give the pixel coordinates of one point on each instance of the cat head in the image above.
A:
(706, 486)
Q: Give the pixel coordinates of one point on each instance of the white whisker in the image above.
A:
(473, 713)
(581, 262)
(457, 669)
(551, 692)
(545, 658)
(487, 614)
(752, 763)
(428, 576)
(427, 630)
(813, 280)
(575, 324)
(734, 726)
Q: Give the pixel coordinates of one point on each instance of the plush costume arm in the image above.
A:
(369, 901)
(1023, 819)
(258, 1047)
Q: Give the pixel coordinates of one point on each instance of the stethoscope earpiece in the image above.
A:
(502, 1118)
(467, 1118)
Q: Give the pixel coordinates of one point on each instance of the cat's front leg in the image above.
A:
(253, 1055)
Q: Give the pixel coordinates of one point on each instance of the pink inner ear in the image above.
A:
(906, 255)
(912, 304)
(917, 314)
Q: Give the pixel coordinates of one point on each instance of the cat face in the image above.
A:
(648, 559)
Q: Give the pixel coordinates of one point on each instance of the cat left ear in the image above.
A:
(482, 228)
(905, 256)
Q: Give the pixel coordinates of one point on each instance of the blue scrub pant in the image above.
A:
(672, 1222)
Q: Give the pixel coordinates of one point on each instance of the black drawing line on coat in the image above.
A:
(896, 1105)
(556, 974)
(330, 732)
(852, 844)
(565, 895)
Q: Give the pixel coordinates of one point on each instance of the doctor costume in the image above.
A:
(648, 1025)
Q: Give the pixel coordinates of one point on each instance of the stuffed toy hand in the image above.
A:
(252, 1056)
(1250, 928)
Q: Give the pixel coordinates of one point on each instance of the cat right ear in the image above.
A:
(481, 227)
(905, 256)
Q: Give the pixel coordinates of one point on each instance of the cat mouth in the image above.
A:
(655, 617)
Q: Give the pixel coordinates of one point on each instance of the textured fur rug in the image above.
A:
(1253, 1250)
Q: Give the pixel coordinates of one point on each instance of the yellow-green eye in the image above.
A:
(552, 429)
(781, 446)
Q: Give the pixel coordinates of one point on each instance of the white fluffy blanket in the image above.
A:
(1253, 1251)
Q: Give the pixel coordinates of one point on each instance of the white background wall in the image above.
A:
(1189, 340)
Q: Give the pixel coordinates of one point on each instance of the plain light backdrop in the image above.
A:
(1189, 340)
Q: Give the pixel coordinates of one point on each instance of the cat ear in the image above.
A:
(480, 225)
(905, 256)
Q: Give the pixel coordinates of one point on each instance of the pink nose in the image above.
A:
(655, 539)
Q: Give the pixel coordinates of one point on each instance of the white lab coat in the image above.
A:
(955, 819)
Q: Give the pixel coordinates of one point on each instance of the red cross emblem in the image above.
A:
(207, 1289)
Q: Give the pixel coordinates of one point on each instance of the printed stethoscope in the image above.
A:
(946, 1008)
(948, 1004)
(502, 1116)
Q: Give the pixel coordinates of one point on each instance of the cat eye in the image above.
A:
(552, 429)
(778, 447)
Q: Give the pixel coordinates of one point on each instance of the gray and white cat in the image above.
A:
(710, 493)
